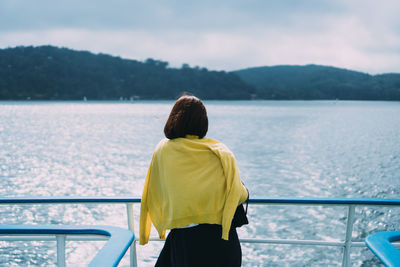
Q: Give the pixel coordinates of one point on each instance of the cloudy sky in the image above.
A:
(227, 35)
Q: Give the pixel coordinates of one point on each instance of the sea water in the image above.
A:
(283, 149)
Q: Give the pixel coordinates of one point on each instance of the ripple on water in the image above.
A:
(284, 149)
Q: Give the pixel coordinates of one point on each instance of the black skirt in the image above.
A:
(200, 245)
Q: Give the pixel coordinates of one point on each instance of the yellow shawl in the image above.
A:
(190, 180)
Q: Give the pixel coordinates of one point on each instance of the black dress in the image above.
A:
(201, 246)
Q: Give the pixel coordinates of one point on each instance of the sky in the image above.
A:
(362, 35)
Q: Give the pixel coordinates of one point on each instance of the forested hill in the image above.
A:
(320, 82)
(48, 72)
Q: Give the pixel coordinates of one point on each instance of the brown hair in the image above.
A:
(188, 116)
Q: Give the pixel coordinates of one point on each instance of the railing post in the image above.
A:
(60, 250)
(349, 232)
(133, 257)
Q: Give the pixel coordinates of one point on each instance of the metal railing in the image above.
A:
(119, 240)
(381, 245)
(347, 243)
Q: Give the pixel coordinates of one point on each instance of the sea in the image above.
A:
(322, 149)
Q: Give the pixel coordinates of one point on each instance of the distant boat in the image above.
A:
(84, 98)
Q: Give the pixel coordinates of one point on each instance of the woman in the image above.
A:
(193, 187)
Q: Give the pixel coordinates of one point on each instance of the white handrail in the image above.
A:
(119, 240)
(347, 244)
(133, 255)
(349, 231)
(60, 250)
